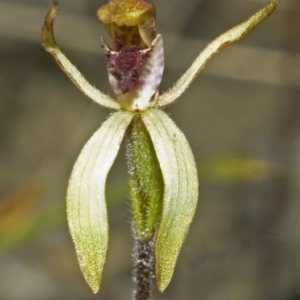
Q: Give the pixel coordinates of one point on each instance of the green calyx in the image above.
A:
(145, 179)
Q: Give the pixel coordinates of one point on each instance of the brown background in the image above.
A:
(241, 112)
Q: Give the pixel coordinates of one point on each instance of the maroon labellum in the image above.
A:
(135, 73)
(126, 65)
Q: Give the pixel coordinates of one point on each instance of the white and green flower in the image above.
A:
(162, 171)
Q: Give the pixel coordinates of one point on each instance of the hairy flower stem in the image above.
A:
(143, 268)
(146, 192)
(145, 179)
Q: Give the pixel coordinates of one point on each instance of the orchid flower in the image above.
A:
(162, 171)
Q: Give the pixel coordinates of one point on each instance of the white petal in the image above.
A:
(180, 190)
(86, 207)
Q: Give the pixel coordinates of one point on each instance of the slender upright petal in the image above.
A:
(225, 39)
(180, 191)
(86, 207)
(71, 71)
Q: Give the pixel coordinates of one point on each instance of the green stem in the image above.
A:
(146, 192)
(145, 179)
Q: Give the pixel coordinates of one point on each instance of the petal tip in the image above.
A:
(48, 40)
(94, 285)
(162, 282)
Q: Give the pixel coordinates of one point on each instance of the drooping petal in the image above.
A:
(86, 207)
(227, 38)
(71, 71)
(180, 190)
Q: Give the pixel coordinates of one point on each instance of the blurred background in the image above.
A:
(241, 117)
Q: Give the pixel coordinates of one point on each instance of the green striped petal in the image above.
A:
(180, 191)
(86, 206)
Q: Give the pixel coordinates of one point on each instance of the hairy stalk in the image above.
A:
(146, 190)
(145, 179)
(143, 268)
